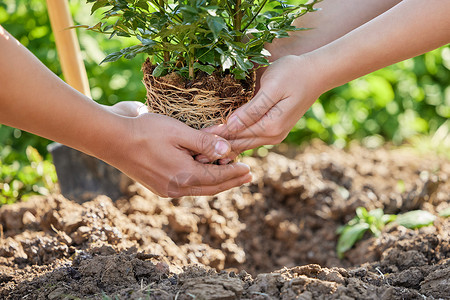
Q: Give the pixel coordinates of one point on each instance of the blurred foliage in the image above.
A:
(21, 179)
(393, 104)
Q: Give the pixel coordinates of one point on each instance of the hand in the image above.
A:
(157, 151)
(127, 108)
(287, 90)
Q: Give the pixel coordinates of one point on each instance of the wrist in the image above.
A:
(108, 132)
(306, 69)
(323, 66)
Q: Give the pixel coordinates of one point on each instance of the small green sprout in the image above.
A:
(375, 220)
(445, 213)
(353, 231)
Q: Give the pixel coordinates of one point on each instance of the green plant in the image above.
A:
(19, 181)
(187, 36)
(375, 220)
(445, 213)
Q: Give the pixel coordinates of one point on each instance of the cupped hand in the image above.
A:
(157, 151)
(287, 90)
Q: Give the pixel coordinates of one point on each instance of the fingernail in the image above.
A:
(249, 177)
(239, 164)
(235, 124)
(202, 159)
(221, 148)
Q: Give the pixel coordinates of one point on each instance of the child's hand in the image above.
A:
(287, 90)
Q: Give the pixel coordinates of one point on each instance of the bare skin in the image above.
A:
(152, 149)
(350, 38)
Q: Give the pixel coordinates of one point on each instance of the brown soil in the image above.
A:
(144, 247)
(207, 100)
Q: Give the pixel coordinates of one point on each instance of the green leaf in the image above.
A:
(260, 60)
(226, 62)
(98, 4)
(142, 4)
(112, 57)
(445, 213)
(216, 24)
(205, 68)
(415, 219)
(362, 213)
(388, 218)
(159, 70)
(238, 73)
(205, 55)
(377, 213)
(350, 235)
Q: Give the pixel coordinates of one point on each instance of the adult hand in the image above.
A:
(287, 90)
(157, 151)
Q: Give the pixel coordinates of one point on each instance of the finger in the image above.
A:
(204, 190)
(278, 121)
(206, 175)
(215, 174)
(253, 111)
(231, 157)
(211, 146)
(223, 161)
(202, 159)
(214, 129)
(241, 145)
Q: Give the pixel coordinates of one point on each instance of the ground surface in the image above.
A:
(145, 247)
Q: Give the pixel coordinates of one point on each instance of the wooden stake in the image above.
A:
(67, 45)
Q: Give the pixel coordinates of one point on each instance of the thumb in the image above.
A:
(208, 144)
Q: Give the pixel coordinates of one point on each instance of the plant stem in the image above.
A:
(237, 19)
(191, 66)
(256, 14)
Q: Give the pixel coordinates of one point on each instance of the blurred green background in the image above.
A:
(405, 102)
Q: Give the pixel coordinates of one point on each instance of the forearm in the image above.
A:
(410, 28)
(334, 19)
(32, 98)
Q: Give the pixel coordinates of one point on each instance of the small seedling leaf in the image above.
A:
(362, 213)
(376, 213)
(445, 213)
(415, 219)
(349, 236)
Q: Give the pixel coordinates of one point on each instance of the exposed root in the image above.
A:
(206, 101)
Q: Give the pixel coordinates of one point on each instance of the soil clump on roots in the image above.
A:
(205, 101)
(272, 239)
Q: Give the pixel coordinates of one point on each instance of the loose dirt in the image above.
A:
(272, 239)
